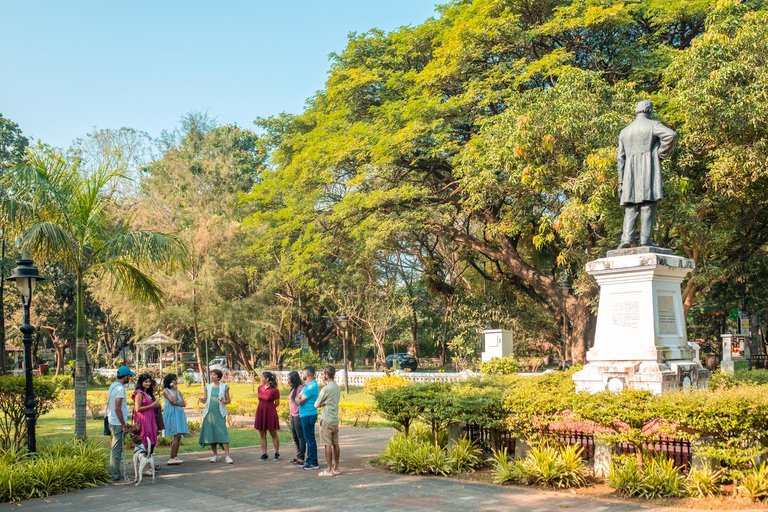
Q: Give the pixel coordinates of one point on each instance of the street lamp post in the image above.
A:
(26, 276)
(565, 288)
(344, 321)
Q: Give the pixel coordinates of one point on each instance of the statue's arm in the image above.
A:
(667, 138)
(621, 158)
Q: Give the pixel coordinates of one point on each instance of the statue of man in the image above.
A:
(642, 146)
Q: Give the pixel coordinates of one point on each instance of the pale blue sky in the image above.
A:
(69, 66)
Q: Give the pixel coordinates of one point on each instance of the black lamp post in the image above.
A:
(344, 321)
(565, 288)
(26, 276)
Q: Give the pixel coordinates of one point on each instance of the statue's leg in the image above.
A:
(647, 212)
(628, 230)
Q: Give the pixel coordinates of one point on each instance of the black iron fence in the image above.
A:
(487, 439)
(678, 450)
(759, 361)
(584, 439)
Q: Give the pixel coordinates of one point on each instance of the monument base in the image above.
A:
(643, 375)
(640, 338)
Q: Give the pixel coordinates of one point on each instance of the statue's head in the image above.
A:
(644, 107)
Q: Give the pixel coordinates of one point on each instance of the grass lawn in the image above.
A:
(58, 425)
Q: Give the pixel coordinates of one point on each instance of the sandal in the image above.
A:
(326, 473)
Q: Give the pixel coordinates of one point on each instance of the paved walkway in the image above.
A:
(248, 485)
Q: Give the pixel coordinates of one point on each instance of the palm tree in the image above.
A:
(67, 217)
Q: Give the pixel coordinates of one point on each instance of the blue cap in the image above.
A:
(123, 371)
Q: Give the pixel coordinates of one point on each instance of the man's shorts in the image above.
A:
(329, 434)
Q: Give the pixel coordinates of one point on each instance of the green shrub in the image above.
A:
(62, 381)
(625, 476)
(193, 426)
(720, 379)
(506, 471)
(464, 455)
(656, 477)
(555, 466)
(753, 483)
(500, 366)
(164, 441)
(703, 482)
(661, 479)
(96, 406)
(379, 384)
(355, 412)
(66, 399)
(188, 378)
(533, 403)
(62, 467)
(416, 454)
(13, 425)
(296, 359)
(399, 406)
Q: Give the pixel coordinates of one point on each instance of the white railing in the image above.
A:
(357, 379)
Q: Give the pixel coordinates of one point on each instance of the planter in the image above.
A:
(43, 369)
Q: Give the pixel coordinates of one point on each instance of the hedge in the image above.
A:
(732, 420)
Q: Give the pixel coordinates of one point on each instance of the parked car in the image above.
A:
(218, 363)
(404, 360)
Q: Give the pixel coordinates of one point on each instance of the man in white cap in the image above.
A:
(117, 416)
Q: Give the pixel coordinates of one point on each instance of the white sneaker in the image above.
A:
(229, 460)
(215, 458)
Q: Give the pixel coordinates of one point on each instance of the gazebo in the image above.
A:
(157, 343)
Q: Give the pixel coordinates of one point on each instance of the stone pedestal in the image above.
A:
(640, 339)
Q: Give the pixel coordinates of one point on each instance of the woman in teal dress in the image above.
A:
(174, 417)
(213, 431)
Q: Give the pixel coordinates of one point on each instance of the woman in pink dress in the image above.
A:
(144, 405)
(267, 419)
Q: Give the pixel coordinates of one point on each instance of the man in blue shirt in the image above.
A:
(308, 416)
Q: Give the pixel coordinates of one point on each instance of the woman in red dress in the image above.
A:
(267, 419)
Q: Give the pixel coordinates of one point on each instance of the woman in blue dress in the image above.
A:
(174, 417)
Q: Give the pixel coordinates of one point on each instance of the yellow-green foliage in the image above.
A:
(416, 454)
(753, 482)
(655, 477)
(378, 384)
(63, 467)
(354, 413)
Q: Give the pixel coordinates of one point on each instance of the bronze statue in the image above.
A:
(642, 146)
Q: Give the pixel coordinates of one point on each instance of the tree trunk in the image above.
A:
(415, 330)
(59, 348)
(81, 397)
(200, 363)
(543, 286)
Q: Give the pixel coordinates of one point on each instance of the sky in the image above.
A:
(67, 67)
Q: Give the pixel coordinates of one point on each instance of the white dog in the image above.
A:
(143, 458)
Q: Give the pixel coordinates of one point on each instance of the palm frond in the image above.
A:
(49, 240)
(130, 280)
(146, 248)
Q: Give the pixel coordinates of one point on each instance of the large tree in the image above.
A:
(494, 126)
(69, 218)
(12, 147)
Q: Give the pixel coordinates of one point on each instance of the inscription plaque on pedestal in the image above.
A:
(626, 314)
(667, 317)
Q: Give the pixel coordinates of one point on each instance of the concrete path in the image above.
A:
(198, 485)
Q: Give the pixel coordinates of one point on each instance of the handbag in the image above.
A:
(159, 419)
(107, 431)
